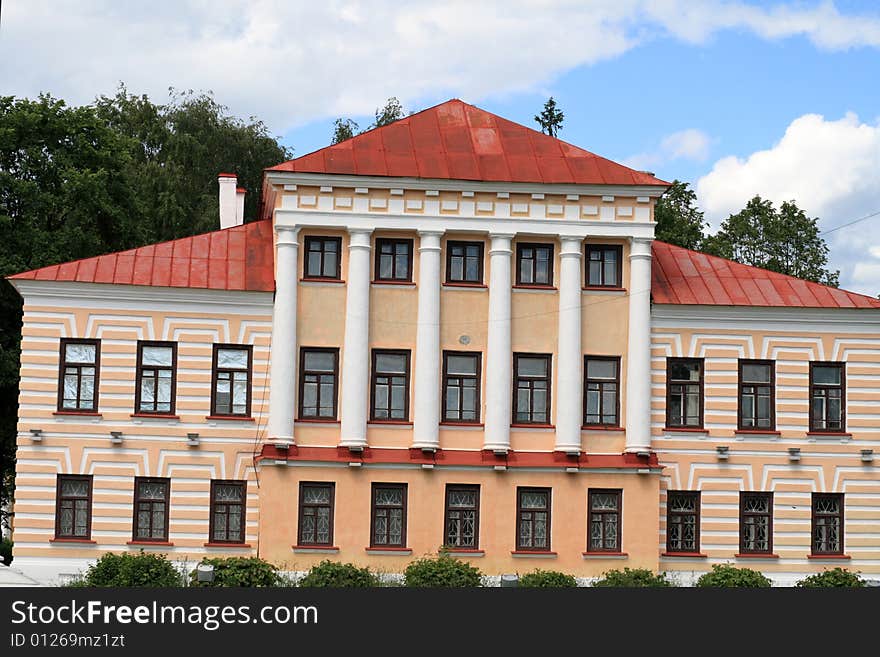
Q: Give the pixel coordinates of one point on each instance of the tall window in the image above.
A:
(531, 402)
(461, 386)
(533, 519)
(151, 509)
(827, 523)
(755, 523)
(156, 377)
(534, 265)
(602, 391)
(318, 383)
(683, 521)
(78, 385)
(316, 513)
(464, 262)
(462, 517)
(390, 389)
(604, 266)
(394, 260)
(756, 395)
(227, 511)
(322, 258)
(684, 392)
(604, 520)
(827, 397)
(388, 516)
(73, 507)
(232, 380)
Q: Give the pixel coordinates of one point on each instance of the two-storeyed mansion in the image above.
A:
(449, 331)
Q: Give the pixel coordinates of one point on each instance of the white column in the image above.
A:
(426, 409)
(499, 367)
(638, 354)
(569, 361)
(282, 369)
(356, 347)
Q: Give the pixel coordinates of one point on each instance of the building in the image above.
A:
(450, 331)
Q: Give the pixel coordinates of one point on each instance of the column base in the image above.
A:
(426, 446)
(282, 442)
(638, 450)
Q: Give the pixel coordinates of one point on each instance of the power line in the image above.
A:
(850, 223)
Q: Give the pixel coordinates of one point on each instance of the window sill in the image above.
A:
(685, 430)
(605, 555)
(73, 541)
(756, 555)
(471, 286)
(453, 423)
(539, 554)
(150, 543)
(830, 434)
(532, 426)
(155, 416)
(535, 288)
(238, 546)
(465, 553)
(85, 413)
(319, 280)
(315, 420)
(389, 551)
(757, 432)
(315, 549)
(380, 283)
(683, 555)
(603, 288)
(600, 427)
(230, 418)
(835, 557)
(393, 423)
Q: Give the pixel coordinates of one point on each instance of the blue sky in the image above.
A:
(777, 98)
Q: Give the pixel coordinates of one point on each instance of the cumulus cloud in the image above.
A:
(293, 62)
(690, 144)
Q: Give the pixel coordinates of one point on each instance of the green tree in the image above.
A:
(679, 220)
(550, 119)
(343, 129)
(391, 112)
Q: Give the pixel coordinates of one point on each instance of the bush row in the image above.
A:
(155, 570)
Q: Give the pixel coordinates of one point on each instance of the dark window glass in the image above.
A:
(604, 266)
(323, 257)
(394, 260)
(389, 515)
(461, 386)
(151, 509)
(316, 513)
(827, 397)
(531, 402)
(464, 262)
(318, 383)
(827, 523)
(601, 391)
(756, 395)
(533, 519)
(228, 511)
(73, 507)
(684, 392)
(462, 517)
(390, 398)
(78, 375)
(755, 523)
(534, 264)
(683, 521)
(156, 377)
(604, 521)
(232, 380)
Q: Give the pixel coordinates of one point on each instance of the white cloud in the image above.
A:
(690, 144)
(829, 168)
(293, 62)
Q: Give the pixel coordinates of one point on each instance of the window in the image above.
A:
(461, 386)
(318, 383)
(156, 378)
(316, 513)
(827, 523)
(150, 509)
(227, 511)
(604, 521)
(394, 260)
(78, 387)
(604, 267)
(322, 258)
(232, 380)
(683, 521)
(533, 519)
(389, 515)
(756, 395)
(827, 397)
(464, 262)
(534, 265)
(73, 507)
(602, 391)
(684, 392)
(462, 517)
(390, 390)
(755, 523)
(531, 402)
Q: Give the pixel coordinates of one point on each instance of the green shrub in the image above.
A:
(6, 551)
(728, 576)
(834, 577)
(547, 579)
(333, 574)
(141, 569)
(444, 571)
(238, 571)
(632, 578)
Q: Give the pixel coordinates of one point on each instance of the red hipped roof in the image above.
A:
(455, 140)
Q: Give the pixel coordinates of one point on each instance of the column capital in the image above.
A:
(359, 238)
(640, 247)
(429, 240)
(572, 246)
(286, 235)
(432, 232)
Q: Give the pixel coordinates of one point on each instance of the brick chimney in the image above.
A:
(230, 215)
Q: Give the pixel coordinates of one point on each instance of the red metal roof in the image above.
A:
(237, 258)
(455, 140)
(685, 277)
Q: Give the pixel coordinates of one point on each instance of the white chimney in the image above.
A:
(239, 205)
(229, 215)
